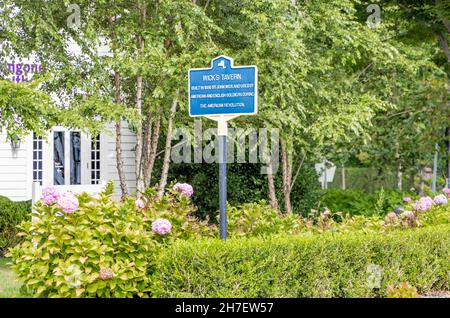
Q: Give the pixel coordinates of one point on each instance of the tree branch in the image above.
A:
(298, 170)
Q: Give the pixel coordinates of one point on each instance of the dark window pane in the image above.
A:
(98, 175)
(98, 165)
(34, 175)
(75, 158)
(34, 155)
(40, 175)
(34, 165)
(40, 165)
(59, 156)
(40, 155)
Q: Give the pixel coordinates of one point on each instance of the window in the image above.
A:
(37, 158)
(59, 157)
(95, 160)
(75, 158)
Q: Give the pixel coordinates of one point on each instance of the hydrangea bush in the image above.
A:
(174, 213)
(423, 212)
(93, 246)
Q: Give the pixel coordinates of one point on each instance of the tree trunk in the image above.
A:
(146, 140)
(344, 186)
(118, 125)
(287, 177)
(119, 160)
(447, 143)
(271, 185)
(152, 149)
(139, 146)
(399, 174)
(168, 147)
(443, 42)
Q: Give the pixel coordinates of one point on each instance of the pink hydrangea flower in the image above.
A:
(67, 202)
(440, 199)
(424, 204)
(105, 273)
(50, 195)
(140, 204)
(161, 226)
(184, 188)
(446, 190)
(406, 199)
(391, 217)
(325, 214)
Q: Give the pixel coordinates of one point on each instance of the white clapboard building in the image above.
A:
(62, 157)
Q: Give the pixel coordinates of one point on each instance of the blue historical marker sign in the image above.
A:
(223, 89)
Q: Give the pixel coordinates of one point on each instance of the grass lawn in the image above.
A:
(9, 286)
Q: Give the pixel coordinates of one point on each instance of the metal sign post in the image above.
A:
(222, 133)
(221, 93)
(435, 163)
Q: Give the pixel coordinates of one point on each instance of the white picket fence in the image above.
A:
(79, 188)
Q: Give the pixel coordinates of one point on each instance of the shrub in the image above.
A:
(92, 246)
(11, 214)
(329, 265)
(100, 250)
(259, 219)
(179, 210)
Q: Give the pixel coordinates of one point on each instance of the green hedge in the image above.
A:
(328, 265)
(11, 214)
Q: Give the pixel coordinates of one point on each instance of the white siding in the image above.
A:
(128, 156)
(15, 169)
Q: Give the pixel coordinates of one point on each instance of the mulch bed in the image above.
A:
(437, 294)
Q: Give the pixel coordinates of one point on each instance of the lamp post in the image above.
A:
(15, 143)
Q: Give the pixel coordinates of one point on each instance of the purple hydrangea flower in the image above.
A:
(161, 226)
(50, 195)
(446, 190)
(391, 216)
(424, 204)
(67, 202)
(407, 199)
(408, 214)
(440, 199)
(184, 188)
